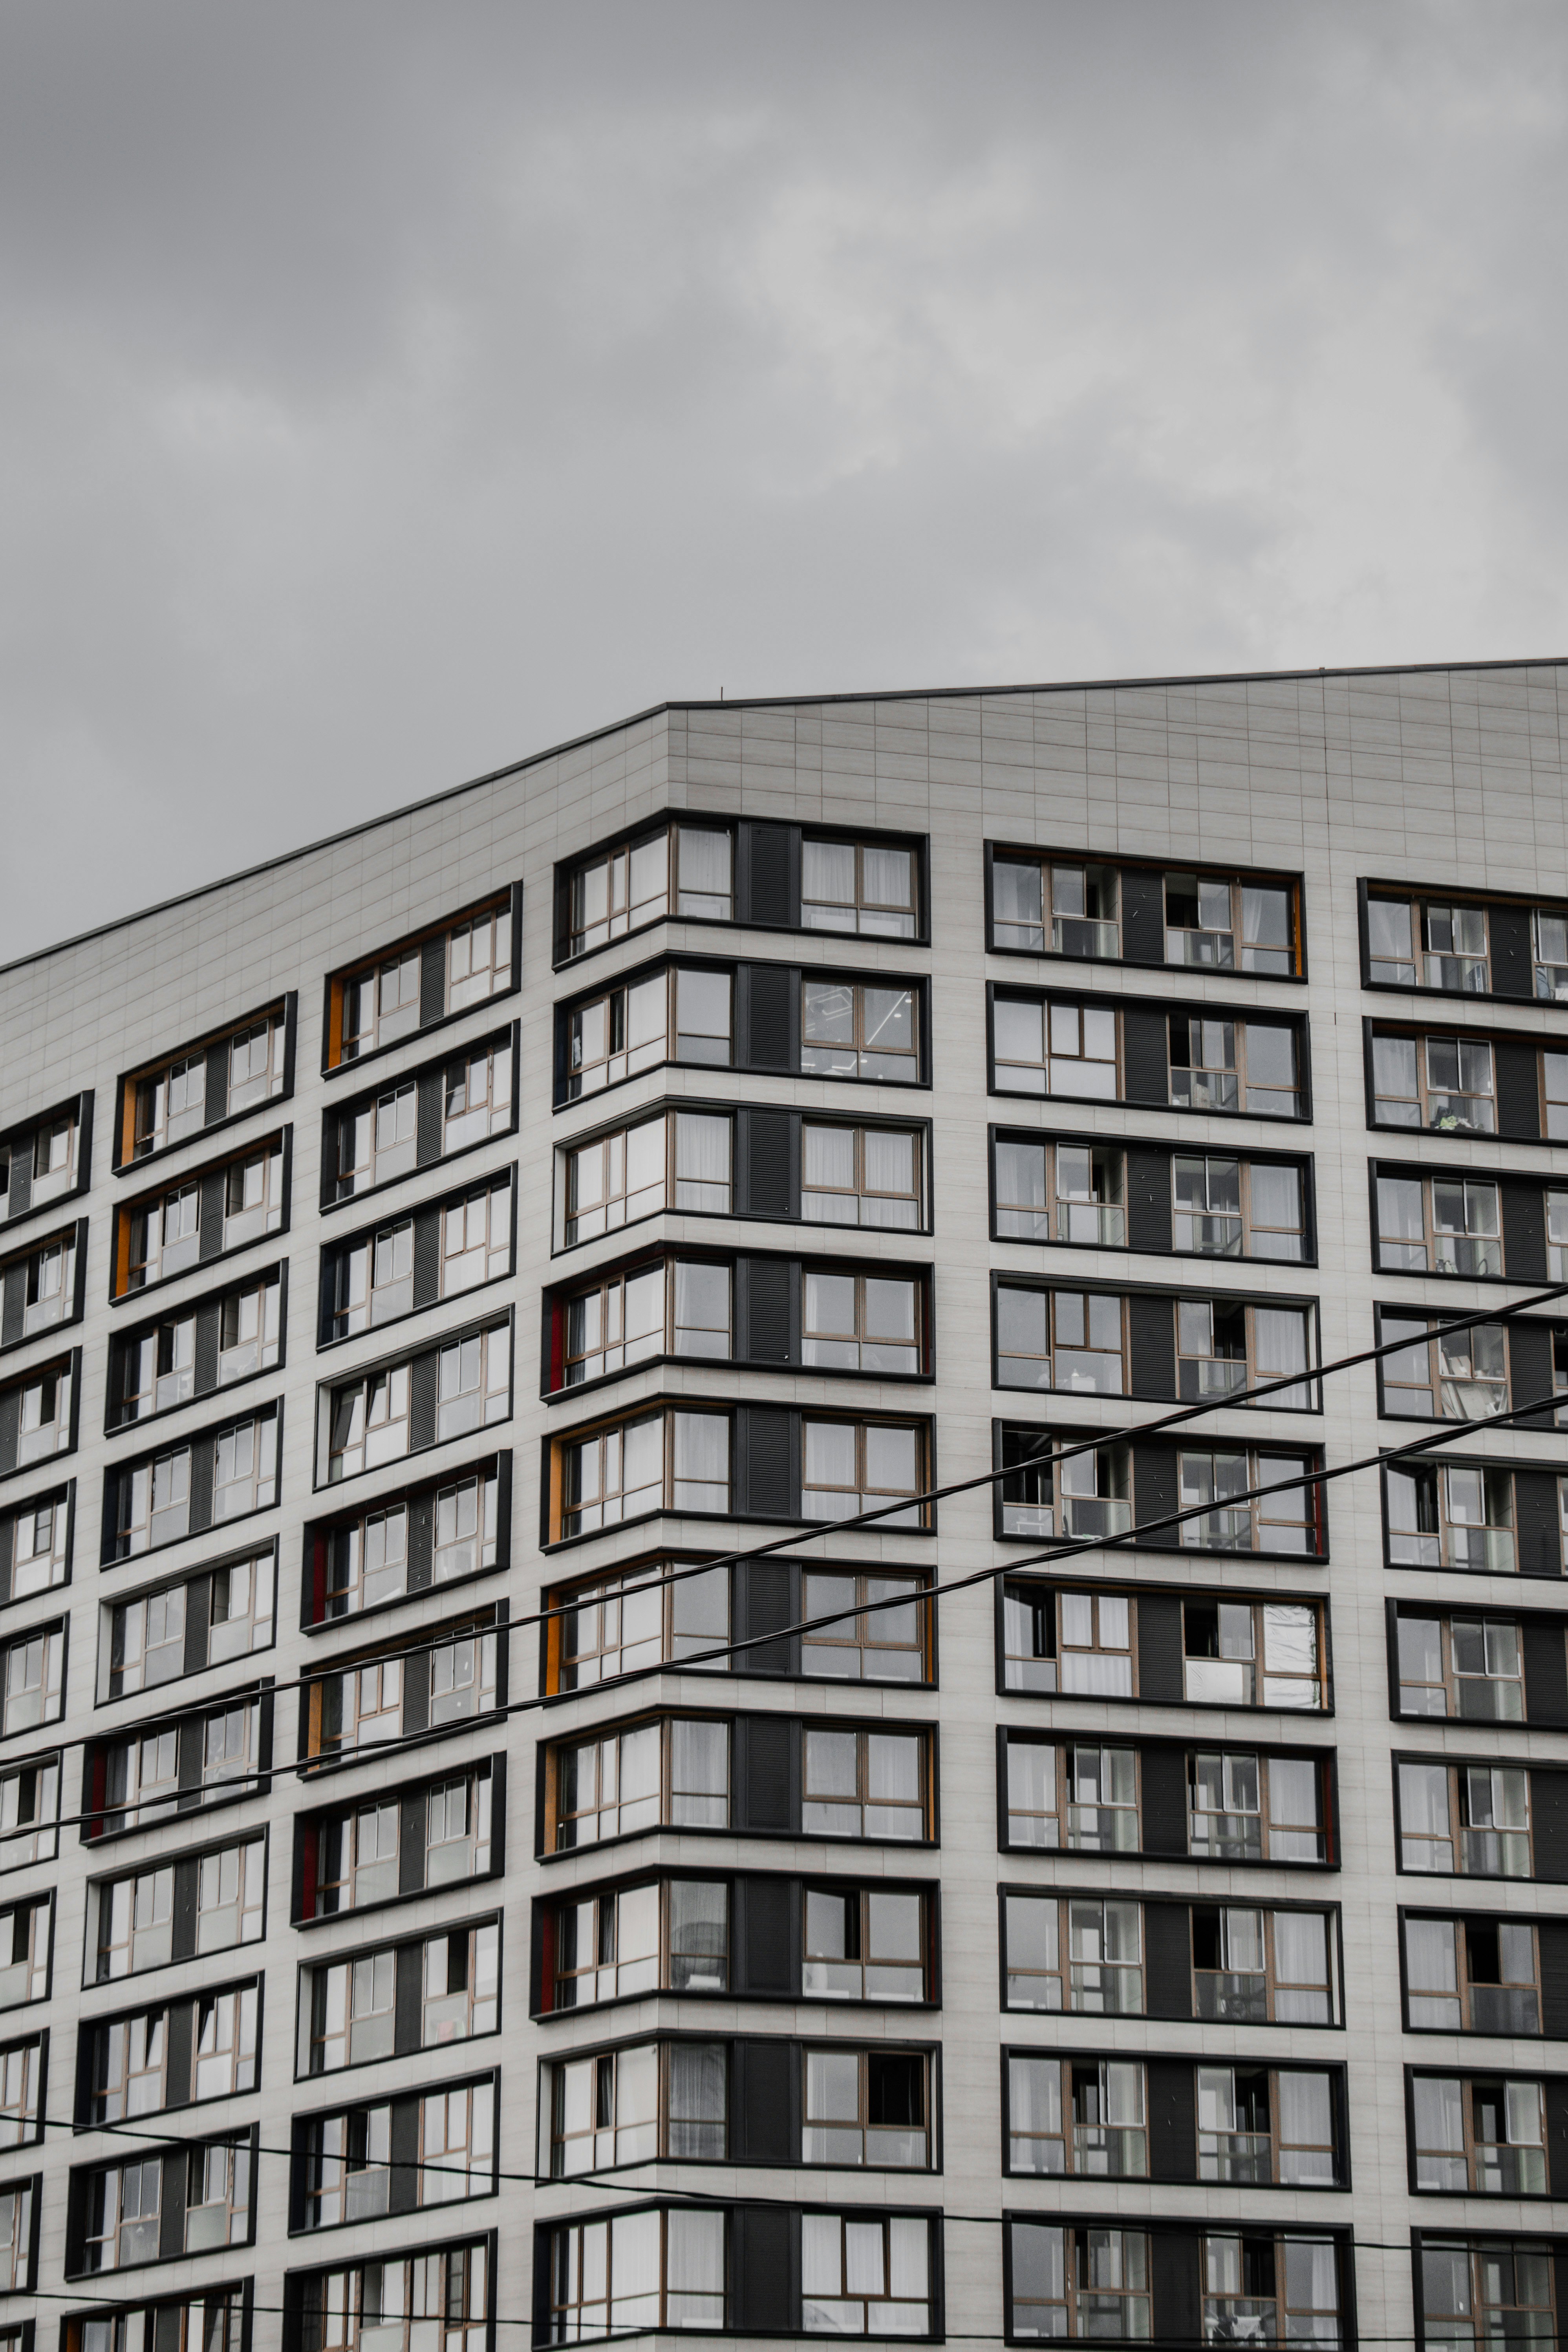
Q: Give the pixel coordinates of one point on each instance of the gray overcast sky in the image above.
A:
(387, 392)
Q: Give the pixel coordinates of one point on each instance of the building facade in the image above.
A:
(701, 1631)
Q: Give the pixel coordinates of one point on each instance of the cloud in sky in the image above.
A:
(387, 392)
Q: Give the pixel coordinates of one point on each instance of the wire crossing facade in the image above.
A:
(784, 1508)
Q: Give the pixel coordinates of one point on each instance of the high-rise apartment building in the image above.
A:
(698, 1635)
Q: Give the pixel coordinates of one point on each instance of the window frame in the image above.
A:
(66, 1368)
(564, 957)
(1463, 1919)
(1051, 1287)
(97, 1884)
(508, 896)
(305, 2035)
(121, 1290)
(125, 1160)
(1052, 1588)
(60, 1500)
(313, 2119)
(1080, 999)
(1383, 1309)
(489, 1770)
(492, 1474)
(88, 2096)
(1456, 1767)
(1418, 897)
(500, 1325)
(464, 2333)
(1322, 1760)
(1026, 853)
(33, 1904)
(1052, 1139)
(335, 1253)
(1468, 2077)
(121, 1343)
(494, 1042)
(1420, 1172)
(71, 1238)
(24, 1132)
(1538, 1042)
(109, 1603)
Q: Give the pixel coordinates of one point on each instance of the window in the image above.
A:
(32, 1691)
(1465, 1820)
(214, 2322)
(1229, 1207)
(30, 1809)
(1226, 1346)
(40, 1164)
(863, 2276)
(476, 1097)
(217, 2196)
(677, 1306)
(627, 2105)
(636, 2271)
(142, 1641)
(348, 2008)
(202, 1084)
(40, 1413)
(865, 1784)
(1215, 924)
(124, 2208)
(857, 1322)
(1486, 2136)
(1071, 1191)
(634, 1619)
(135, 1915)
(1262, 2289)
(858, 885)
(130, 2068)
(1252, 1653)
(1471, 1975)
(671, 1935)
(851, 1467)
(25, 1953)
(348, 2168)
(370, 1699)
(1075, 1642)
(1468, 1666)
(886, 1646)
(1078, 1796)
(367, 1560)
(1091, 1487)
(379, 1140)
(358, 1857)
(1260, 2126)
(16, 2214)
(154, 1368)
(860, 1029)
(1072, 911)
(869, 1176)
(1069, 1339)
(1251, 1808)
(1441, 1224)
(631, 1026)
(1451, 953)
(21, 2080)
(1443, 1375)
(1084, 2116)
(667, 1460)
(1254, 1966)
(864, 1944)
(1491, 2290)
(867, 2106)
(1052, 1046)
(138, 1779)
(164, 1236)
(473, 1382)
(1075, 1952)
(677, 1160)
(1445, 1083)
(1236, 1065)
(40, 1287)
(407, 988)
(438, 2301)
(674, 1774)
(38, 1538)
(373, 1420)
(1090, 2284)
(476, 1238)
(620, 890)
(1284, 1518)
(374, 1280)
